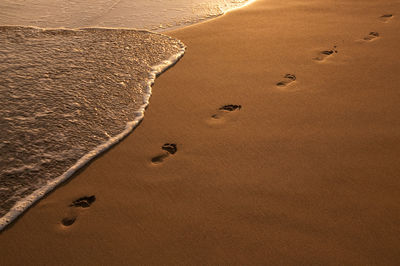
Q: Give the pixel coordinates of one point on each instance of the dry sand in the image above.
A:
(306, 172)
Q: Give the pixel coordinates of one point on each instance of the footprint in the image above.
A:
(230, 107)
(226, 109)
(68, 221)
(84, 202)
(371, 36)
(326, 53)
(288, 78)
(386, 17)
(169, 149)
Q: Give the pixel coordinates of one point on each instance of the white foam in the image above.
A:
(23, 204)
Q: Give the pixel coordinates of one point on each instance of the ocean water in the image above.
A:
(70, 90)
(154, 15)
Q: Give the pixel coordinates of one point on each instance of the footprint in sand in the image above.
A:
(288, 79)
(323, 55)
(68, 221)
(371, 36)
(168, 149)
(226, 109)
(386, 17)
(83, 202)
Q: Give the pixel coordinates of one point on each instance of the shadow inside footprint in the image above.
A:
(386, 17)
(169, 148)
(68, 221)
(289, 78)
(83, 202)
(225, 109)
(230, 107)
(326, 53)
(371, 36)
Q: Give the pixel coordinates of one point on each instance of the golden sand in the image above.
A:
(306, 171)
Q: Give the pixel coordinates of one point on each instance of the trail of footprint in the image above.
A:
(169, 149)
(386, 17)
(323, 55)
(288, 79)
(226, 109)
(83, 202)
(371, 36)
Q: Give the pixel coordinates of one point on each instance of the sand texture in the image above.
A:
(274, 141)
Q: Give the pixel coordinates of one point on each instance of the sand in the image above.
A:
(305, 172)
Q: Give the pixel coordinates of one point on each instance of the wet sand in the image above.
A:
(282, 124)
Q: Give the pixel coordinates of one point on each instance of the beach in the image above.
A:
(285, 118)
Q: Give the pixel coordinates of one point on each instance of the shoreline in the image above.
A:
(25, 203)
(304, 172)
